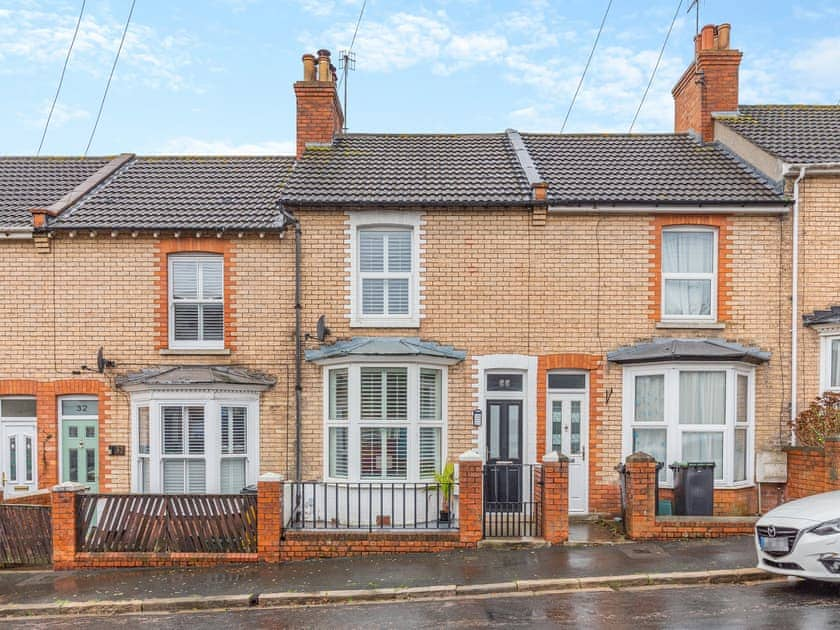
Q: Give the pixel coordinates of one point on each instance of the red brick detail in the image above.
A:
(470, 501)
(602, 497)
(641, 522)
(813, 470)
(269, 519)
(118, 560)
(727, 501)
(710, 85)
(64, 528)
(39, 497)
(319, 114)
(724, 288)
(555, 501)
(165, 247)
(306, 544)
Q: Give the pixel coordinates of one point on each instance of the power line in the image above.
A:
(353, 40)
(61, 79)
(110, 76)
(655, 67)
(586, 67)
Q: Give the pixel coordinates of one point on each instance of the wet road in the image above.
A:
(783, 604)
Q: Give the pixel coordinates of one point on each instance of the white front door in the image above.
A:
(17, 458)
(568, 433)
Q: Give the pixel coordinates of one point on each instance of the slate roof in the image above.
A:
(197, 375)
(484, 170)
(796, 134)
(643, 169)
(410, 169)
(36, 182)
(172, 192)
(831, 316)
(667, 349)
(385, 346)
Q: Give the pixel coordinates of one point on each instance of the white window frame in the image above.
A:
(385, 221)
(212, 401)
(827, 337)
(354, 423)
(664, 276)
(675, 430)
(199, 344)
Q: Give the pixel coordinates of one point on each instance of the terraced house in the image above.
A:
(508, 293)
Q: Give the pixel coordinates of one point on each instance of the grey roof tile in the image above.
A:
(830, 316)
(668, 349)
(410, 169)
(643, 169)
(197, 375)
(175, 192)
(796, 134)
(37, 182)
(385, 346)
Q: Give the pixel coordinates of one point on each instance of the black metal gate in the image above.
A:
(512, 500)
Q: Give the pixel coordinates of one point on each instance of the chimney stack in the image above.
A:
(710, 84)
(319, 114)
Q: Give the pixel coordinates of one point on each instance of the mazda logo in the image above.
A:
(771, 531)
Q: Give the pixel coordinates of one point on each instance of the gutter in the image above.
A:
(595, 207)
(822, 167)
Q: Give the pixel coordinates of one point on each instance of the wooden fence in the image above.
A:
(25, 535)
(167, 523)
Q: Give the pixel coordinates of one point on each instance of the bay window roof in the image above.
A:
(379, 347)
(667, 349)
(197, 375)
(830, 316)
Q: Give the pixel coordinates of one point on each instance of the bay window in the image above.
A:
(689, 273)
(830, 362)
(384, 422)
(692, 413)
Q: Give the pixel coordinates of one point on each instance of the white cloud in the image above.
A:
(185, 145)
(62, 114)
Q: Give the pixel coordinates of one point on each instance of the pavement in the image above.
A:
(377, 578)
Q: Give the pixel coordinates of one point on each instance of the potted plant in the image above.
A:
(446, 481)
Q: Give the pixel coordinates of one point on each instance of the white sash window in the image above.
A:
(196, 301)
(689, 273)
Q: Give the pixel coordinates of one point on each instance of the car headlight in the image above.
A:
(827, 528)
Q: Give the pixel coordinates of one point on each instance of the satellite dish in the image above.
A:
(321, 329)
(102, 362)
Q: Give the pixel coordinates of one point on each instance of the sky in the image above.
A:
(215, 76)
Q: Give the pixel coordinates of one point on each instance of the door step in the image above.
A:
(512, 543)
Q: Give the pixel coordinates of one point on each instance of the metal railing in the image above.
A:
(512, 500)
(369, 505)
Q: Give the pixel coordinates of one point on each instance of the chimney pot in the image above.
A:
(707, 37)
(309, 67)
(324, 74)
(723, 35)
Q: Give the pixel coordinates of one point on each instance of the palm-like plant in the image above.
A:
(446, 481)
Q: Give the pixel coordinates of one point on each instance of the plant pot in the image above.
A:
(444, 516)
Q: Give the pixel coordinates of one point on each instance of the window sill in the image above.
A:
(195, 351)
(676, 324)
(384, 322)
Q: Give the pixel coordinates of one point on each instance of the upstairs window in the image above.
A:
(689, 273)
(385, 267)
(196, 302)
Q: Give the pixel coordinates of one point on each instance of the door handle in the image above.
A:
(504, 463)
(583, 452)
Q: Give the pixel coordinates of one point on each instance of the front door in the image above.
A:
(503, 481)
(569, 435)
(80, 448)
(19, 474)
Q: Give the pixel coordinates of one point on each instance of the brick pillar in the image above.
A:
(640, 496)
(64, 536)
(555, 498)
(471, 497)
(832, 463)
(269, 516)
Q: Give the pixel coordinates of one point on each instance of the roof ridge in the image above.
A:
(523, 157)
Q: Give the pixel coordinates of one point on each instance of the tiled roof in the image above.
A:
(796, 134)
(667, 349)
(484, 170)
(643, 169)
(197, 375)
(411, 169)
(831, 316)
(385, 346)
(212, 193)
(36, 182)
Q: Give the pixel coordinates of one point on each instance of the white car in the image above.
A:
(802, 538)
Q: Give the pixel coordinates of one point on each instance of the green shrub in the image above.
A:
(820, 420)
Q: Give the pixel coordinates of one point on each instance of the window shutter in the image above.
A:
(373, 296)
(196, 430)
(232, 475)
(338, 394)
(184, 280)
(430, 394)
(338, 452)
(173, 476)
(212, 279)
(234, 426)
(396, 403)
(213, 322)
(371, 397)
(429, 452)
(186, 322)
(398, 296)
(399, 251)
(196, 478)
(173, 431)
(371, 251)
(371, 453)
(397, 452)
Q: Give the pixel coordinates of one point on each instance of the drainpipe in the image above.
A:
(290, 219)
(794, 308)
